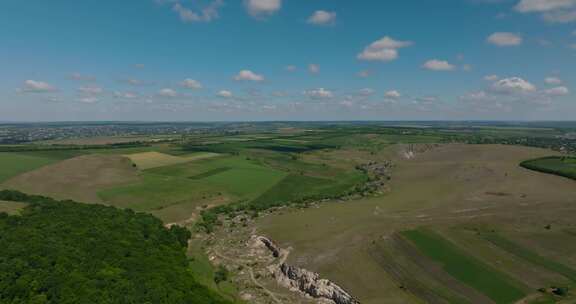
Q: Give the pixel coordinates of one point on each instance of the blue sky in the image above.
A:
(287, 59)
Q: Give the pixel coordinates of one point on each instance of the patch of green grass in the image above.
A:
(557, 165)
(171, 185)
(210, 173)
(13, 164)
(530, 256)
(465, 268)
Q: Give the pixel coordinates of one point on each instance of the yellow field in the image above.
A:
(148, 160)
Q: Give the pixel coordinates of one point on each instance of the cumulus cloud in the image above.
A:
(322, 18)
(247, 75)
(560, 11)
(557, 91)
(530, 6)
(224, 94)
(206, 13)
(314, 68)
(504, 39)
(319, 93)
(167, 92)
(35, 86)
(553, 80)
(385, 49)
(513, 85)
(393, 94)
(438, 65)
(191, 84)
(290, 68)
(262, 8)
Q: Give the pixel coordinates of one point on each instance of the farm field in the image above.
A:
(148, 160)
(15, 163)
(465, 268)
(445, 223)
(462, 190)
(562, 166)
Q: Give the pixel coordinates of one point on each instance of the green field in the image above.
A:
(471, 271)
(194, 183)
(558, 165)
(13, 164)
(530, 256)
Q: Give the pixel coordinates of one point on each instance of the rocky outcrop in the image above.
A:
(311, 284)
(305, 281)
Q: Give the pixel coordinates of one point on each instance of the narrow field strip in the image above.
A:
(467, 269)
(530, 256)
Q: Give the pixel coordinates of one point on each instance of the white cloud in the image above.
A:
(204, 14)
(314, 68)
(559, 11)
(504, 39)
(530, 6)
(392, 94)
(553, 80)
(322, 18)
(491, 77)
(466, 67)
(560, 16)
(557, 91)
(319, 93)
(191, 84)
(89, 99)
(247, 75)
(290, 68)
(259, 8)
(513, 85)
(91, 90)
(385, 49)
(225, 94)
(35, 86)
(438, 65)
(168, 93)
(366, 92)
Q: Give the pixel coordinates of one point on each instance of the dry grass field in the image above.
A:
(78, 178)
(149, 160)
(453, 190)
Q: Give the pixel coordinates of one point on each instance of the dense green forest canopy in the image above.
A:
(67, 252)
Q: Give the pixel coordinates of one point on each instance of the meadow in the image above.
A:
(496, 285)
(558, 165)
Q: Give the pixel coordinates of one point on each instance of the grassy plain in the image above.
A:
(153, 159)
(496, 285)
(461, 186)
(13, 164)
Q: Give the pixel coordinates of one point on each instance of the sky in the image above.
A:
(236, 60)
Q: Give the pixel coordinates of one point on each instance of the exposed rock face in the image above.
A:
(305, 281)
(311, 284)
